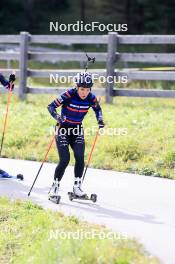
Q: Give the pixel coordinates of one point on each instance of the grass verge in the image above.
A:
(27, 237)
(143, 142)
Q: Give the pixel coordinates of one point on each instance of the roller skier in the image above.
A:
(74, 104)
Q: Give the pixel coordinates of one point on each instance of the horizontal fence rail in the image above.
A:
(112, 57)
(144, 93)
(131, 75)
(65, 56)
(159, 58)
(147, 39)
(90, 39)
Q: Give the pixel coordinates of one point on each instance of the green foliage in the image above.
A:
(142, 16)
(30, 234)
(169, 159)
(31, 15)
(127, 151)
(146, 147)
(147, 171)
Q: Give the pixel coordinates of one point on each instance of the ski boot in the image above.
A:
(53, 194)
(79, 194)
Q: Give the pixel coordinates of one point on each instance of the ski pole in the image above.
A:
(90, 155)
(43, 161)
(89, 59)
(6, 116)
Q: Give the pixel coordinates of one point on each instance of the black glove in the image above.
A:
(101, 124)
(12, 78)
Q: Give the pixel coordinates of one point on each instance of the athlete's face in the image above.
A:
(83, 92)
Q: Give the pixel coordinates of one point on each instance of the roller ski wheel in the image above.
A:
(73, 196)
(93, 197)
(20, 177)
(55, 199)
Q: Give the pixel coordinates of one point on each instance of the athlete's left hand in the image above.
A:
(12, 78)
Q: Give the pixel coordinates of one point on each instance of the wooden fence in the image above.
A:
(112, 57)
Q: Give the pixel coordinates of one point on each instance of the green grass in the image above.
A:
(146, 148)
(27, 237)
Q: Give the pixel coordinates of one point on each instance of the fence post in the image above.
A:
(24, 39)
(110, 65)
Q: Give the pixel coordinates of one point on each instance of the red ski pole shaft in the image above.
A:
(42, 163)
(90, 155)
(6, 117)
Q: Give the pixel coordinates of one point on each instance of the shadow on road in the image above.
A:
(101, 211)
(15, 189)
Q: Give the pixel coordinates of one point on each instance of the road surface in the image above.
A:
(138, 206)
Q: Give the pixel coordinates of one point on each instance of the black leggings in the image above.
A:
(74, 138)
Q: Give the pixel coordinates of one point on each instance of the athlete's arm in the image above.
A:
(98, 111)
(58, 102)
(5, 82)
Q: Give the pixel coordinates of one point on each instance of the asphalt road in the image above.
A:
(137, 206)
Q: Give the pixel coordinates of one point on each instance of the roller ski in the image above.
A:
(53, 194)
(5, 175)
(73, 196)
(78, 193)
